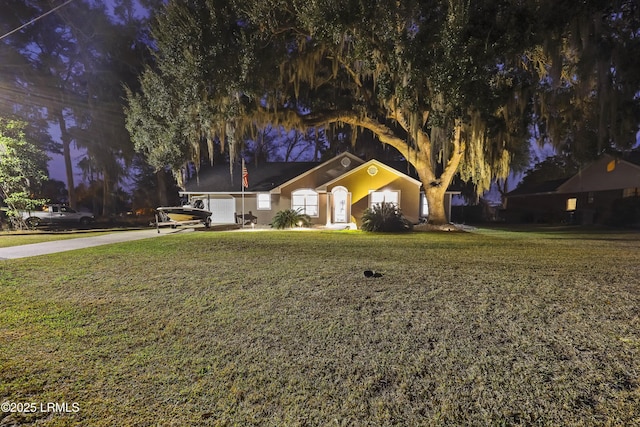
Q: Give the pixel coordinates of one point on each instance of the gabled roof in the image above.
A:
(269, 176)
(365, 166)
(328, 170)
(606, 173)
(272, 176)
(262, 177)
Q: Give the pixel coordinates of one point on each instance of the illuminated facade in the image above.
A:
(333, 193)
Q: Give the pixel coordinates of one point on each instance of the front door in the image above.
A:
(341, 207)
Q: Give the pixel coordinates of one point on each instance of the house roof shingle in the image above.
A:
(262, 177)
(558, 185)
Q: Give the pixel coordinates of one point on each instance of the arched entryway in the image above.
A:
(341, 206)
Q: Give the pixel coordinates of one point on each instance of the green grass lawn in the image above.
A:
(283, 329)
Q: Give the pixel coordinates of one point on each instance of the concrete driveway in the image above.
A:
(45, 248)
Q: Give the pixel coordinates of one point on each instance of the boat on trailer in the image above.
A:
(183, 215)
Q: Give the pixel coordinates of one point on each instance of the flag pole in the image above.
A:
(242, 185)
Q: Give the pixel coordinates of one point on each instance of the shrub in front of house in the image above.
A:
(290, 218)
(385, 217)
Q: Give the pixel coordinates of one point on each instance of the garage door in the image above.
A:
(222, 209)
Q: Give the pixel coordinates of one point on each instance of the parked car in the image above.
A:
(57, 215)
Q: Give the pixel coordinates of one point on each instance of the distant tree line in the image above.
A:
(64, 76)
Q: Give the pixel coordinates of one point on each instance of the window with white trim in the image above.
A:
(305, 202)
(387, 196)
(264, 201)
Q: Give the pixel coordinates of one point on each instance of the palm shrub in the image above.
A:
(290, 218)
(385, 217)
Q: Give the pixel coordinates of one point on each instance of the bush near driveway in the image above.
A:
(282, 329)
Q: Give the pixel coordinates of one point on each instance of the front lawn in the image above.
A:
(283, 329)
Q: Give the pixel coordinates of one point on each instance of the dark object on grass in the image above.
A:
(369, 273)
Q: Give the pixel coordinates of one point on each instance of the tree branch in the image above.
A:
(419, 156)
(382, 131)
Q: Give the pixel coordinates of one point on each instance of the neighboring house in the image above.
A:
(585, 198)
(332, 193)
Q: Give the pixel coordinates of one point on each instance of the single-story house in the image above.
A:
(333, 193)
(587, 197)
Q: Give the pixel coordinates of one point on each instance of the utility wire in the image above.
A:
(36, 19)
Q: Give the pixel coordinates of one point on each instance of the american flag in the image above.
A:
(245, 176)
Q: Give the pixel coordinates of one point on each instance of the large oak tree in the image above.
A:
(455, 86)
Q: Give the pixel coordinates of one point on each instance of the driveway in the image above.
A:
(45, 248)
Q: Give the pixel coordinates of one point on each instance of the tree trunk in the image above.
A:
(420, 157)
(161, 188)
(107, 197)
(66, 153)
(435, 200)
